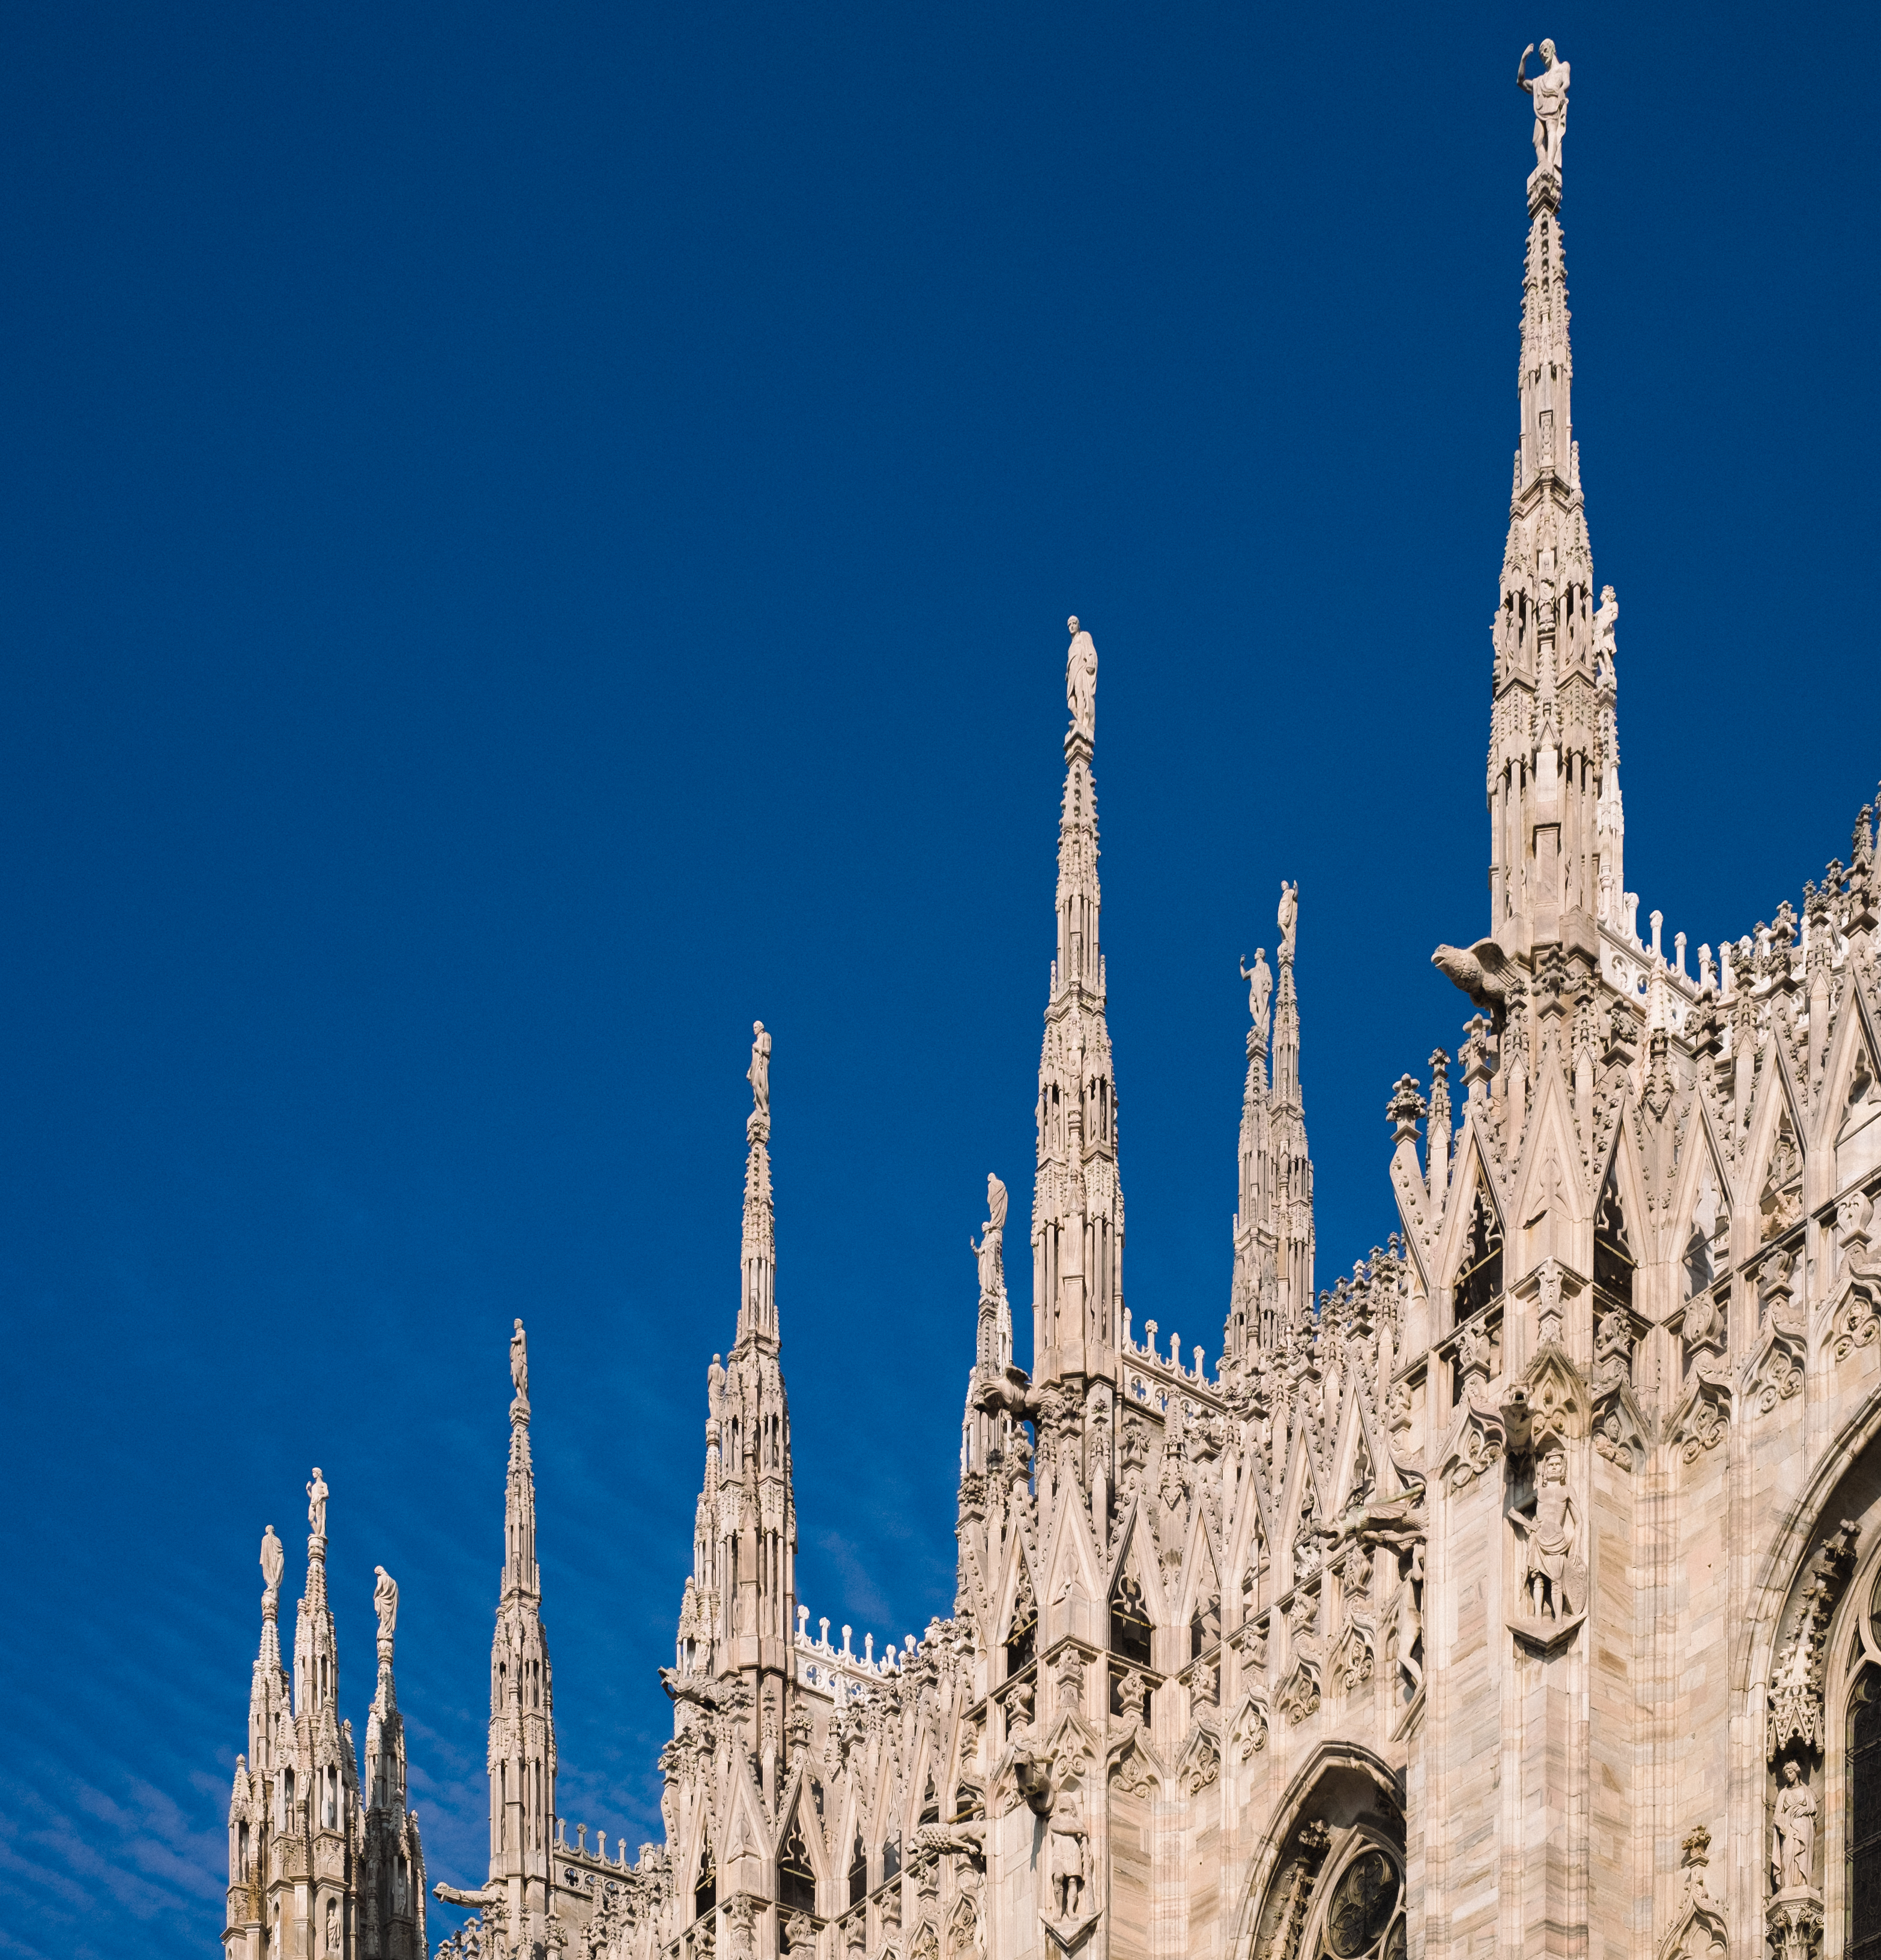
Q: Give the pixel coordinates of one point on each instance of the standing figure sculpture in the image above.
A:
(1068, 1840)
(1555, 1575)
(987, 1252)
(1548, 91)
(759, 1074)
(271, 1560)
(385, 1603)
(317, 1496)
(1260, 988)
(519, 1362)
(1080, 681)
(1793, 1855)
(1288, 919)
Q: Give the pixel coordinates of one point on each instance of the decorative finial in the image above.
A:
(1080, 681)
(317, 1496)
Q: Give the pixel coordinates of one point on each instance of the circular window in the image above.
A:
(1362, 1904)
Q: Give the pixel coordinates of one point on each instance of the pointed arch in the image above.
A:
(1478, 1266)
(1852, 1106)
(796, 1864)
(1615, 1254)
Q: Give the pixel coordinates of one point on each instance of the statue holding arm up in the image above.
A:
(1548, 91)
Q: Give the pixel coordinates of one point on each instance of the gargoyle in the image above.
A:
(1011, 1391)
(966, 1837)
(1481, 971)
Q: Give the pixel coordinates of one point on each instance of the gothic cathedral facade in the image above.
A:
(1518, 1594)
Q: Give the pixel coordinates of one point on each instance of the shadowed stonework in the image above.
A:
(1520, 1593)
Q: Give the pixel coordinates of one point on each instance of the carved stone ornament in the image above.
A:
(1796, 1686)
(1476, 1442)
(1796, 1928)
(1298, 1694)
(1355, 1655)
(1703, 1420)
(1697, 1932)
(1248, 1736)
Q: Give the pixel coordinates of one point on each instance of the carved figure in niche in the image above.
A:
(316, 1496)
(1081, 680)
(1260, 987)
(519, 1361)
(1069, 1838)
(1411, 1620)
(759, 1074)
(1554, 1576)
(1793, 1848)
(1288, 919)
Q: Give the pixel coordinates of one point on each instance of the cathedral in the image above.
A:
(1518, 1593)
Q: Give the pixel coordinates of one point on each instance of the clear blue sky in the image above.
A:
(531, 540)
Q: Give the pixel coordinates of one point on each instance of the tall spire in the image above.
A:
(1251, 1295)
(1077, 1201)
(392, 1876)
(1555, 823)
(737, 1615)
(522, 1745)
(757, 1305)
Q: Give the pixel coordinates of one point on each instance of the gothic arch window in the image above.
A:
(1129, 1623)
(796, 1876)
(1862, 1855)
(1858, 1135)
(1479, 1272)
(1022, 1635)
(858, 1873)
(1612, 1252)
(706, 1888)
(1338, 1892)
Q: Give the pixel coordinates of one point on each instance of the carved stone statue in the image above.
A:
(271, 1559)
(995, 1203)
(987, 1251)
(1288, 917)
(317, 1496)
(1605, 620)
(1260, 988)
(1555, 1574)
(385, 1603)
(1081, 680)
(759, 1074)
(1069, 1839)
(1793, 1852)
(519, 1361)
(1548, 91)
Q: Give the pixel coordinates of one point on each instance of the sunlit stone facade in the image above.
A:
(1518, 1594)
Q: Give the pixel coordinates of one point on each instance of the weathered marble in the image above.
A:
(1461, 1610)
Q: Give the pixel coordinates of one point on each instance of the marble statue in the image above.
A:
(271, 1561)
(1552, 1573)
(317, 1496)
(759, 1074)
(1288, 919)
(1792, 1855)
(385, 1603)
(987, 1252)
(1260, 987)
(1549, 90)
(1070, 1838)
(519, 1361)
(1081, 680)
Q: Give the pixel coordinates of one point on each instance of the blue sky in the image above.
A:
(528, 542)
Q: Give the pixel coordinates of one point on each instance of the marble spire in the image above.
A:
(1553, 783)
(522, 1735)
(757, 1304)
(1077, 1200)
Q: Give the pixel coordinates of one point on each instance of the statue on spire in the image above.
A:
(759, 1074)
(991, 1233)
(317, 1496)
(1260, 987)
(271, 1563)
(1549, 90)
(385, 1603)
(519, 1362)
(1080, 681)
(1287, 919)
